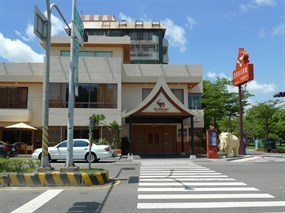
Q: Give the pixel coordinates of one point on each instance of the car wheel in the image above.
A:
(93, 157)
(40, 158)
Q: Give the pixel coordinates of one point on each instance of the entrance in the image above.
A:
(154, 139)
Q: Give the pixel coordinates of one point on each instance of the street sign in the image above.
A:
(40, 24)
(78, 27)
(244, 70)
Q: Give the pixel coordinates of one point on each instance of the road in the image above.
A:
(163, 185)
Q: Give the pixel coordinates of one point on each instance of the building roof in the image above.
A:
(190, 74)
(21, 72)
(109, 22)
(161, 94)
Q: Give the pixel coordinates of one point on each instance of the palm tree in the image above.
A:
(115, 127)
(98, 121)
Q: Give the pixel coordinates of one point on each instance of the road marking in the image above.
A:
(204, 205)
(202, 196)
(194, 184)
(37, 202)
(180, 171)
(204, 189)
(179, 176)
(184, 179)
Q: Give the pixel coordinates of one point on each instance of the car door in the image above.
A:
(80, 148)
(61, 151)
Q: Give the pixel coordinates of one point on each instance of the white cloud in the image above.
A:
(57, 26)
(176, 34)
(262, 33)
(271, 3)
(17, 51)
(253, 86)
(29, 33)
(214, 75)
(278, 29)
(122, 16)
(254, 4)
(190, 22)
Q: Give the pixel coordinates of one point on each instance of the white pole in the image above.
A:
(69, 156)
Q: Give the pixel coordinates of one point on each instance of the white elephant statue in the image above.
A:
(229, 143)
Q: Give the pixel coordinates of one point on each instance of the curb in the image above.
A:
(54, 179)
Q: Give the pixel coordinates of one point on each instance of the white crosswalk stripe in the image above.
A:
(167, 187)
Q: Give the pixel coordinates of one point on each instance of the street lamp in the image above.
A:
(42, 29)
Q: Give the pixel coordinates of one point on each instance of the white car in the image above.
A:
(80, 151)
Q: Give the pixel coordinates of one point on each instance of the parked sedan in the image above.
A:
(80, 151)
(7, 150)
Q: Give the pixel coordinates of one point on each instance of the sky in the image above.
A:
(207, 32)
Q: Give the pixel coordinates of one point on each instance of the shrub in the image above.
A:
(103, 141)
(17, 165)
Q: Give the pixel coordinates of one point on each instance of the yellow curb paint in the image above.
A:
(42, 177)
(99, 178)
(57, 178)
(72, 179)
(28, 179)
(2, 181)
(14, 179)
(86, 179)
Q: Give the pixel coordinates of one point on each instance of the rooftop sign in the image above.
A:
(244, 70)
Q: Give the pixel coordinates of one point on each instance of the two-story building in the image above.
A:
(124, 75)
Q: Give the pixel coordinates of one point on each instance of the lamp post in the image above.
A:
(45, 35)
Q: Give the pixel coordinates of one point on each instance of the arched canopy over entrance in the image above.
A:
(159, 107)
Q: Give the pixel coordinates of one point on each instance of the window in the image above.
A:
(80, 144)
(179, 94)
(89, 96)
(66, 53)
(14, 97)
(194, 101)
(62, 145)
(145, 92)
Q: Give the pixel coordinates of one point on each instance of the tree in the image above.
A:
(220, 104)
(116, 128)
(261, 120)
(98, 121)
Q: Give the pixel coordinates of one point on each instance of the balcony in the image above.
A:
(144, 56)
(15, 115)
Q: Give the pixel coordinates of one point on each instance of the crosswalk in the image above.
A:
(171, 186)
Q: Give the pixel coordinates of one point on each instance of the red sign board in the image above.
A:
(244, 70)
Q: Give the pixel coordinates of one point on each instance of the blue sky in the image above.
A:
(207, 32)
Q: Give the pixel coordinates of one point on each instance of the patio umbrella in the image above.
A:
(21, 126)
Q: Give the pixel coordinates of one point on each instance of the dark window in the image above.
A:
(179, 94)
(66, 53)
(145, 92)
(14, 97)
(89, 96)
(194, 101)
(62, 145)
(80, 144)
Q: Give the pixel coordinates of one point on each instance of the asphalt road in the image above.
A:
(163, 185)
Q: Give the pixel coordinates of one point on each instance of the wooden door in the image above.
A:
(168, 139)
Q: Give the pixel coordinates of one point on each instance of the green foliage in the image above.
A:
(116, 128)
(17, 165)
(265, 120)
(219, 104)
(102, 141)
(98, 119)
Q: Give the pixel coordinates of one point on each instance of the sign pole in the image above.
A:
(69, 156)
(241, 142)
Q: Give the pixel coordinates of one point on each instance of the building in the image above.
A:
(155, 103)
